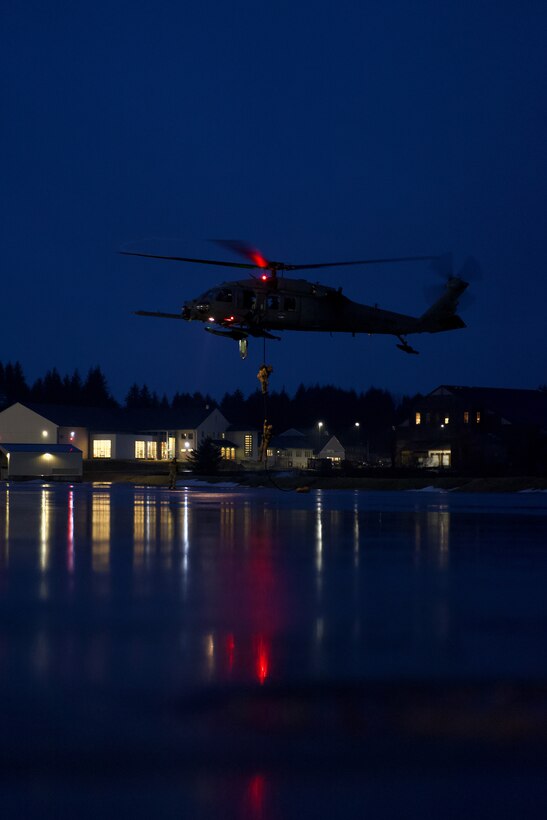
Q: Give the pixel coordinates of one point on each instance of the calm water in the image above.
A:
(261, 654)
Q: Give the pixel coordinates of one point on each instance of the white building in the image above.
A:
(40, 461)
(115, 433)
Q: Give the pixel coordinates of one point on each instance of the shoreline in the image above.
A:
(497, 484)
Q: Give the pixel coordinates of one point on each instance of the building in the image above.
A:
(39, 460)
(120, 434)
(298, 450)
(475, 428)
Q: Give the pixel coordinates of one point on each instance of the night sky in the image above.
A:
(317, 131)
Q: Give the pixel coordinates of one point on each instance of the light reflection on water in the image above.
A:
(116, 598)
(230, 586)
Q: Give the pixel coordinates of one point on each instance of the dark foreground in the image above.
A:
(226, 652)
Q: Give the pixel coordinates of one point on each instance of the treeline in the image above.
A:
(375, 410)
(91, 391)
(54, 388)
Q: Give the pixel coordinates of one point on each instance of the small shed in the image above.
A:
(52, 461)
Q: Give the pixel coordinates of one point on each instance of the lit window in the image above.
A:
(418, 418)
(298, 453)
(228, 453)
(163, 450)
(248, 447)
(269, 453)
(447, 419)
(152, 449)
(139, 449)
(466, 417)
(478, 416)
(102, 448)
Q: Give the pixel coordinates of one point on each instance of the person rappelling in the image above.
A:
(267, 433)
(263, 376)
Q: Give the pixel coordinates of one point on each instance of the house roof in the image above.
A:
(293, 442)
(120, 419)
(39, 448)
(515, 405)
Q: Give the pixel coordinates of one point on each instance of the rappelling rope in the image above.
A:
(265, 424)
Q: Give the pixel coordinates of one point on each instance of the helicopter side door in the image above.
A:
(282, 310)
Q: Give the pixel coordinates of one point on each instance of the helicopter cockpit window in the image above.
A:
(223, 295)
(272, 302)
(290, 303)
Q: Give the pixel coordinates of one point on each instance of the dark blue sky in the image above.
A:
(317, 131)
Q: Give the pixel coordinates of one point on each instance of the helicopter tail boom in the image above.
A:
(442, 313)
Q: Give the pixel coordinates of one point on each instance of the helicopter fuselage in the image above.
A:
(292, 304)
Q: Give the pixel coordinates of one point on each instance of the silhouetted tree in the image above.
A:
(13, 386)
(95, 391)
(206, 458)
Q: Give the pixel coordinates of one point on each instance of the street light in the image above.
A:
(320, 426)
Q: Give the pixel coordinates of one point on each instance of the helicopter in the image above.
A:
(271, 301)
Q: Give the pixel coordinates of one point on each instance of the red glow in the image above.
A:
(262, 661)
(229, 318)
(230, 648)
(264, 277)
(255, 793)
(259, 260)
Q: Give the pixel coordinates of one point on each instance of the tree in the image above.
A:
(95, 391)
(206, 458)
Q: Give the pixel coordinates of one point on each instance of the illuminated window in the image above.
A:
(228, 453)
(466, 417)
(478, 416)
(269, 453)
(102, 448)
(139, 449)
(248, 447)
(418, 418)
(163, 450)
(152, 449)
(447, 419)
(298, 453)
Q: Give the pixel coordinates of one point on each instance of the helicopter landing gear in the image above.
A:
(243, 348)
(405, 347)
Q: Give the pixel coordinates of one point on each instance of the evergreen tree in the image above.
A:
(132, 400)
(206, 458)
(95, 391)
(53, 387)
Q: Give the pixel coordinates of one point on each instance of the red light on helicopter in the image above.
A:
(259, 260)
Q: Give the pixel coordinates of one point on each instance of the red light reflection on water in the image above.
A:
(254, 801)
(262, 660)
(230, 649)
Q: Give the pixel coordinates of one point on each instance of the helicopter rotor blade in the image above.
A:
(361, 262)
(188, 259)
(244, 249)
